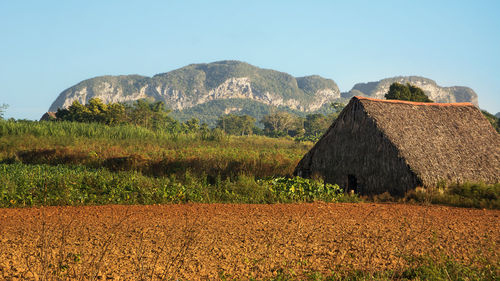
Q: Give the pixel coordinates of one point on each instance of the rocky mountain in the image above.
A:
(435, 92)
(497, 115)
(207, 91)
(198, 84)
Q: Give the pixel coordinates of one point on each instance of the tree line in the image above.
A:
(155, 116)
(151, 115)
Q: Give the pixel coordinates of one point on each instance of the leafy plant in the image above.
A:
(300, 189)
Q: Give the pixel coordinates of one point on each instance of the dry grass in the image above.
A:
(252, 155)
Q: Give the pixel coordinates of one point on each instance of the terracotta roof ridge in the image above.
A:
(416, 103)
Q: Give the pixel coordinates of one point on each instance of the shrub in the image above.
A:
(406, 92)
(475, 195)
(299, 189)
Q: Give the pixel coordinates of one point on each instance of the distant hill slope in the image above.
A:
(435, 92)
(197, 84)
(210, 111)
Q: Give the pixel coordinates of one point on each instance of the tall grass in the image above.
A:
(158, 153)
(87, 130)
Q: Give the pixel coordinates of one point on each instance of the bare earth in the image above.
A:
(210, 241)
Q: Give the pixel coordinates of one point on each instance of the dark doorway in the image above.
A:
(352, 183)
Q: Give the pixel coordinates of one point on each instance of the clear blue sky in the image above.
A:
(48, 46)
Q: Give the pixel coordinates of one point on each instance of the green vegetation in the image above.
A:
(313, 83)
(194, 83)
(211, 111)
(154, 116)
(201, 78)
(299, 189)
(470, 195)
(127, 84)
(197, 80)
(406, 92)
(495, 121)
(317, 124)
(278, 124)
(130, 164)
(66, 131)
(34, 185)
(419, 268)
(141, 113)
(156, 153)
(236, 124)
(71, 163)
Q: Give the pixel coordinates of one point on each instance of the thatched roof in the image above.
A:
(450, 142)
(440, 141)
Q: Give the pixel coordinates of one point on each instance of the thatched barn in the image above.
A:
(376, 146)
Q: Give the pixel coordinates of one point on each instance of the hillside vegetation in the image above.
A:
(206, 89)
(211, 111)
(204, 77)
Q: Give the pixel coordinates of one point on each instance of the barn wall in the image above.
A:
(354, 146)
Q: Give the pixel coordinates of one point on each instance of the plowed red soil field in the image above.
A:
(209, 241)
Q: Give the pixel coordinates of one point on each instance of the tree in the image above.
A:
(406, 92)
(3, 108)
(236, 124)
(316, 124)
(148, 114)
(247, 123)
(278, 123)
(115, 114)
(75, 112)
(191, 125)
(97, 110)
(141, 113)
(152, 115)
